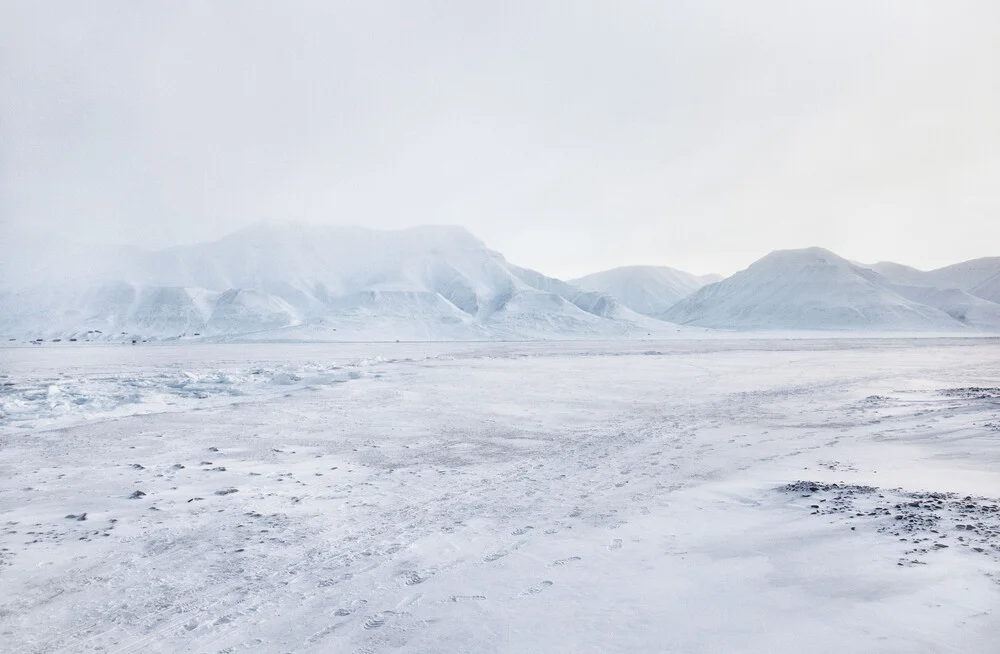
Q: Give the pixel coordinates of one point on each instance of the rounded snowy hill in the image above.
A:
(649, 290)
(807, 289)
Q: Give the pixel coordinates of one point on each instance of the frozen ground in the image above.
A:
(687, 496)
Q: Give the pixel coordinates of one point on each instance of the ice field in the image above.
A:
(744, 495)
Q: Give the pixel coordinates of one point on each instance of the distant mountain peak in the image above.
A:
(649, 290)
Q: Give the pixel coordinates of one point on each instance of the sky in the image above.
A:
(572, 136)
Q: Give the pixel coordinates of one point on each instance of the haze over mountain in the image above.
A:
(816, 289)
(316, 282)
(649, 290)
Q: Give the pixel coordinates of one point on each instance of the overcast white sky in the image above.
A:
(572, 136)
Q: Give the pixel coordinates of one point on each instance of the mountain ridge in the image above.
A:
(321, 282)
(415, 283)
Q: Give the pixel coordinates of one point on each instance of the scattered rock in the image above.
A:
(920, 518)
(973, 393)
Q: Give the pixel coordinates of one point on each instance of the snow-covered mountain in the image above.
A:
(649, 290)
(897, 273)
(316, 282)
(989, 288)
(979, 277)
(970, 310)
(301, 282)
(816, 289)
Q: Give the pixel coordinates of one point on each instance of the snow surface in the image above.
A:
(649, 290)
(816, 289)
(311, 283)
(535, 497)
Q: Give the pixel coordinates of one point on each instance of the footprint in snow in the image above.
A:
(496, 556)
(537, 588)
(616, 544)
(350, 608)
(373, 622)
(571, 559)
(412, 578)
(520, 531)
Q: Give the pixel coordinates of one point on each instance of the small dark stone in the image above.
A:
(136, 495)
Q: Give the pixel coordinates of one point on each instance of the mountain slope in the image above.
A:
(648, 290)
(980, 277)
(333, 282)
(988, 289)
(897, 273)
(806, 289)
(964, 307)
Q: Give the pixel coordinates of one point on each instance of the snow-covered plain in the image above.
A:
(529, 497)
